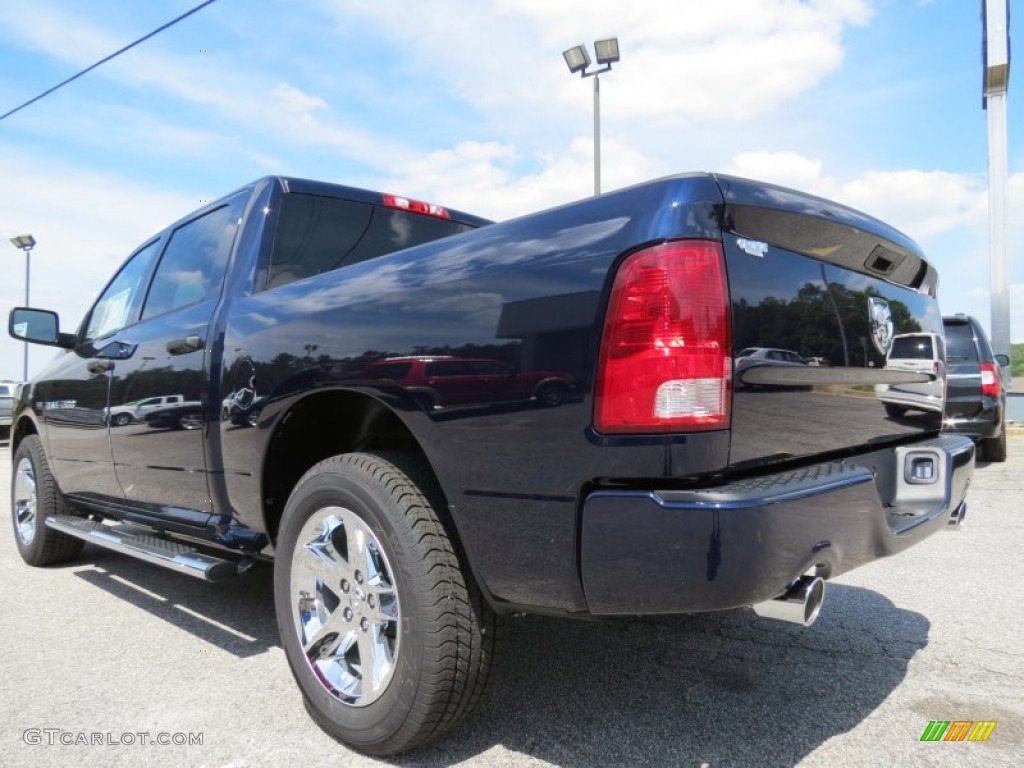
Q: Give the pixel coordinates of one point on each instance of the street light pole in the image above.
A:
(597, 134)
(25, 243)
(578, 59)
(996, 52)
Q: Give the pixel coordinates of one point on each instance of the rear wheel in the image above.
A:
(34, 497)
(387, 638)
(994, 448)
(895, 411)
(190, 421)
(551, 395)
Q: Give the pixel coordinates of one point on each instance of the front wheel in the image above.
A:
(387, 638)
(34, 497)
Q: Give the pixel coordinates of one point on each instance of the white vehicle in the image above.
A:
(8, 391)
(753, 357)
(923, 353)
(120, 415)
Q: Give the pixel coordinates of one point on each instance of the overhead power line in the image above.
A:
(104, 60)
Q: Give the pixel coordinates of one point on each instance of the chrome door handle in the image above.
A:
(185, 345)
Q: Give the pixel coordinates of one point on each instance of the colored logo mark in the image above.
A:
(958, 730)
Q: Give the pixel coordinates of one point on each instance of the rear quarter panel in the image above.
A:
(528, 292)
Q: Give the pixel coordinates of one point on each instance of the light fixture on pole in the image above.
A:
(25, 243)
(578, 60)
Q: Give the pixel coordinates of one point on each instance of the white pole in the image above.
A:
(597, 135)
(28, 256)
(999, 258)
(996, 50)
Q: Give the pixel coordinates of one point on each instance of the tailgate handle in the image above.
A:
(185, 345)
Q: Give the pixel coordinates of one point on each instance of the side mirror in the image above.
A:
(1002, 360)
(37, 326)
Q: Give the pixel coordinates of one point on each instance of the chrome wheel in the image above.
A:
(345, 606)
(24, 501)
(191, 421)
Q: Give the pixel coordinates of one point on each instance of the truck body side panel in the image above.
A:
(529, 293)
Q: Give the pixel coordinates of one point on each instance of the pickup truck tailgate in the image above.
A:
(818, 291)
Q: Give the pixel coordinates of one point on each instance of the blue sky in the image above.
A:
(467, 103)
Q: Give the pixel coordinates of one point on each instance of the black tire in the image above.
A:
(121, 419)
(895, 411)
(443, 636)
(994, 448)
(551, 395)
(38, 544)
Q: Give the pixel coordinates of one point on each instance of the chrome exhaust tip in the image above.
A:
(801, 603)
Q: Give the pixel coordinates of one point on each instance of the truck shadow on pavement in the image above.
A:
(723, 689)
(236, 616)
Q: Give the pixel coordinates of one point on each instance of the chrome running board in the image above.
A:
(151, 548)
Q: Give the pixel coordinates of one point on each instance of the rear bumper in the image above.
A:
(908, 398)
(988, 422)
(646, 552)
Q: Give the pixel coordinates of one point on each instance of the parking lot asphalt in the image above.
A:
(114, 647)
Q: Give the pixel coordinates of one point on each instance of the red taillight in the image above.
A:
(665, 363)
(990, 383)
(416, 206)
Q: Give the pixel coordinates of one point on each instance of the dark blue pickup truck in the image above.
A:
(427, 421)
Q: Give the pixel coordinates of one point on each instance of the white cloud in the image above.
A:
(482, 177)
(919, 203)
(788, 169)
(686, 60)
(281, 110)
(291, 98)
(86, 223)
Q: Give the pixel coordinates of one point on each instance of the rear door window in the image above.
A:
(488, 368)
(447, 368)
(392, 370)
(193, 264)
